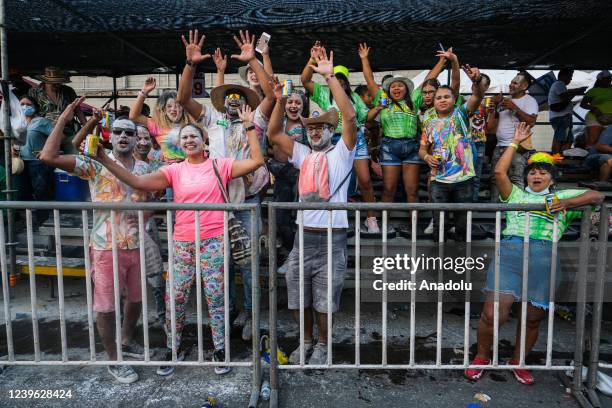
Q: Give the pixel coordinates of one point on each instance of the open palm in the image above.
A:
(247, 47)
(193, 48)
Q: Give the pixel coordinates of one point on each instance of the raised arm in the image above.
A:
(435, 71)
(478, 88)
(221, 64)
(502, 181)
(256, 160)
(87, 128)
(276, 133)
(325, 67)
(246, 44)
(589, 197)
(136, 109)
(267, 62)
(193, 53)
(307, 72)
(364, 53)
(50, 152)
(151, 182)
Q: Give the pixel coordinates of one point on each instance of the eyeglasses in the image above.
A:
(234, 96)
(128, 132)
(315, 128)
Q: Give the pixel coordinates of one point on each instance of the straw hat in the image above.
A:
(54, 75)
(330, 118)
(17, 165)
(387, 83)
(217, 96)
(242, 72)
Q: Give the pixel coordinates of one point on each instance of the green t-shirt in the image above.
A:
(540, 222)
(399, 122)
(321, 96)
(602, 99)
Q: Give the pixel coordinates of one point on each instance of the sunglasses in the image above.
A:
(128, 132)
(235, 97)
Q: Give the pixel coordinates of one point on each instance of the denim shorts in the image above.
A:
(361, 149)
(562, 125)
(395, 152)
(595, 161)
(511, 270)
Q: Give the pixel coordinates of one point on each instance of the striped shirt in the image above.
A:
(398, 120)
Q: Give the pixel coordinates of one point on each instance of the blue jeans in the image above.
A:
(245, 271)
(479, 149)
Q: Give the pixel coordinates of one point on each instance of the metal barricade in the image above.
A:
(141, 209)
(413, 210)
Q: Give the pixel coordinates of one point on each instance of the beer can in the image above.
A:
(287, 87)
(384, 99)
(488, 101)
(551, 199)
(91, 145)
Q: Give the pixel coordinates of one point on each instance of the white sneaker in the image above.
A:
(429, 229)
(247, 329)
(124, 374)
(294, 358)
(371, 226)
(241, 319)
(319, 355)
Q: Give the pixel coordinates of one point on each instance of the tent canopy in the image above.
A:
(118, 38)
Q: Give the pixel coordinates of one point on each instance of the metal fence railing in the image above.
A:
(585, 247)
(141, 209)
(413, 210)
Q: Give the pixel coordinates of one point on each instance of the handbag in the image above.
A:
(240, 242)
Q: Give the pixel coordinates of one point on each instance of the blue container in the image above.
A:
(69, 187)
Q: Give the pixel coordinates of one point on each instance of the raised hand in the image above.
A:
(325, 66)
(277, 87)
(315, 50)
(448, 54)
(246, 44)
(363, 50)
(521, 132)
(220, 60)
(472, 73)
(193, 48)
(97, 114)
(246, 115)
(149, 85)
(68, 113)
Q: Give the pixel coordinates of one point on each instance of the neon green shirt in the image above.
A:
(321, 96)
(398, 120)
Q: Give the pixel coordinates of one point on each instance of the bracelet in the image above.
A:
(190, 63)
(249, 128)
(313, 61)
(143, 94)
(514, 145)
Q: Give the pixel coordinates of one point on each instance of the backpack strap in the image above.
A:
(219, 181)
(342, 183)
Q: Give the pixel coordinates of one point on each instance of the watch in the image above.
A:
(249, 128)
(190, 63)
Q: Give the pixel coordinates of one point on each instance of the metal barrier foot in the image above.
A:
(592, 396)
(578, 394)
(273, 398)
(254, 397)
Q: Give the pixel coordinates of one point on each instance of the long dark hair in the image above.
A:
(407, 97)
(347, 89)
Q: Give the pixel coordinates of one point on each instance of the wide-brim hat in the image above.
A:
(54, 75)
(242, 72)
(330, 118)
(387, 83)
(217, 96)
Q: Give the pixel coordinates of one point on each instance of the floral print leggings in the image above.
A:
(211, 261)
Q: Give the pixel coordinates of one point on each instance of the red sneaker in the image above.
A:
(474, 374)
(523, 376)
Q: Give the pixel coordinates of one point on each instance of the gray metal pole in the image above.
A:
(273, 306)
(115, 93)
(7, 134)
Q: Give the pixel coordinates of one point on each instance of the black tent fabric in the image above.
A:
(129, 37)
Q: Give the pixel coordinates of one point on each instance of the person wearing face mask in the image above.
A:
(227, 137)
(37, 176)
(540, 175)
(53, 96)
(187, 179)
(447, 147)
(520, 107)
(319, 130)
(168, 117)
(105, 187)
(321, 95)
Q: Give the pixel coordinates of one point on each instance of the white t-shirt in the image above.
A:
(508, 120)
(340, 162)
(554, 96)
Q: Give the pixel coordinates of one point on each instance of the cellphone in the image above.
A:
(263, 41)
(441, 47)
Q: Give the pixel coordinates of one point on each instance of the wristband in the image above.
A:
(514, 145)
(249, 128)
(190, 63)
(313, 61)
(143, 94)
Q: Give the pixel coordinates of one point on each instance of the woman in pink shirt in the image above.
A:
(194, 181)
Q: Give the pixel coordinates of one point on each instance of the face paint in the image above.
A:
(123, 136)
(143, 144)
(191, 141)
(173, 110)
(233, 101)
(28, 110)
(319, 136)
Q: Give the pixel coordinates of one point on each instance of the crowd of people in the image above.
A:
(263, 133)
